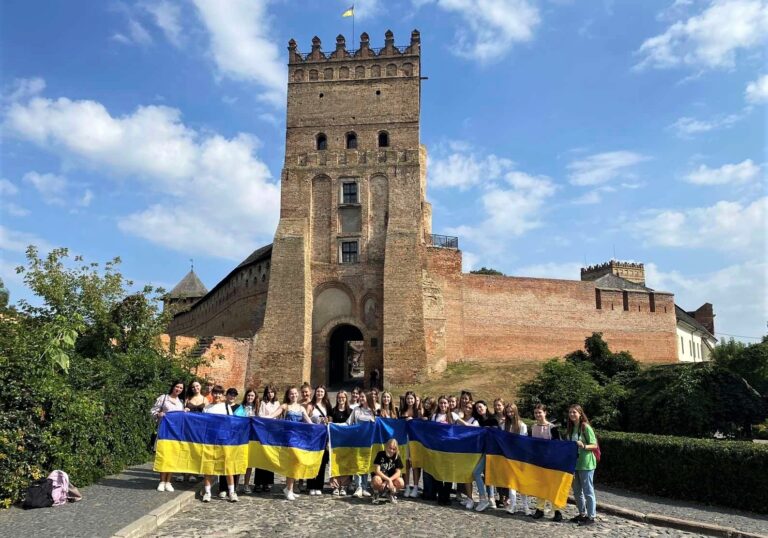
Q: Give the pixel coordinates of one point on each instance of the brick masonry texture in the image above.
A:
(412, 306)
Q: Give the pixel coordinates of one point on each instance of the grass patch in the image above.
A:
(486, 380)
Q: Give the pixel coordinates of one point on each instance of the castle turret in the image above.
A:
(634, 272)
(185, 294)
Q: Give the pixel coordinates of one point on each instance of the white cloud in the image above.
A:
(52, 188)
(241, 44)
(603, 167)
(7, 188)
(589, 198)
(492, 27)
(710, 39)
(728, 174)
(738, 293)
(86, 199)
(687, 127)
(16, 241)
(757, 91)
(212, 194)
(23, 88)
(166, 16)
(14, 210)
(364, 10)
(725, 226)
(464, 170)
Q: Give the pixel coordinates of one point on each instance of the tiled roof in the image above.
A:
(190, 286)
(611, 281)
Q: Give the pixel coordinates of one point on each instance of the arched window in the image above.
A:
(322, 142)
(383, 139)
(351, 141)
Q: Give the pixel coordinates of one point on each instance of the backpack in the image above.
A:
(39, 494)
(60, 491)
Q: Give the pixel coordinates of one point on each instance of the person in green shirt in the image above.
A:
(580, 431)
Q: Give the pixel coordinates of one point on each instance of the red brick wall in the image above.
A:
(227, 360)
(509, 318)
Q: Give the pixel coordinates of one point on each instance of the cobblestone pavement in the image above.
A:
(107, 507)
(271, 515)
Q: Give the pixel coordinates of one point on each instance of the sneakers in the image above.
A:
(222, 495)
(492, 502)
(510, 509)
(342, 492)
(482, 505)
(168, 486)
(289, 494)
(161, 486)
(179, 478)
(538, 514)
(587, 521)
(577, 518)
(393, 498)
(358, 493)
(470, 504)
(366, 493)
(558, 516)
(414, 493)
(207, 497)
(315, 492)
(192, 479)
(233, 497)
(407, 491)
(335, 492)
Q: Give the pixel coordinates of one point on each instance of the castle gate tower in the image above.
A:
(348, 253)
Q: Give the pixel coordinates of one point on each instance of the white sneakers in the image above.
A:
(482, 505)
(358, 493)
(320, 492)
(492, 502)
(470, 504)
(393, 498)
(407, 491)
(222, 495)
(289, 494)
(414, 493)
(233, 497)
(161, 486)
(366, 493)
(207, 497)
(336, 492)
(168, 486)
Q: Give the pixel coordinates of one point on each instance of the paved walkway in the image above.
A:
(118, 500)
(107, 507)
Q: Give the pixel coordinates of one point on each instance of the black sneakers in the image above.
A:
(538, 514)
(577, 518)
(587, 521)
(558, 516)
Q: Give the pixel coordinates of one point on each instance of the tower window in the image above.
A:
(351, 141)
(322, 142)
(383, 139)
(349, 193)
(349, 252)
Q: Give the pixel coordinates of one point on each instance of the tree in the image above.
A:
(487, 271)
(605, 365)
(748, 361)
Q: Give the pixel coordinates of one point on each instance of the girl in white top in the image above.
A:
(263, 479)
(468, 420)
(219, 407)
(361, 413)
(513, 424)
(168, 403)
(293, 411)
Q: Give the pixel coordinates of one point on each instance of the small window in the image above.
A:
(682, 346)
(349, 252)
(322, 142)
(351, 141)
(383, 139)
(349, 193)
(313, 74)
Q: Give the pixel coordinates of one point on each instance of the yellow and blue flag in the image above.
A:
(448, 452)
(353, 448)
(349, 13)
(537, 467)
(200, 443)
(292, 449)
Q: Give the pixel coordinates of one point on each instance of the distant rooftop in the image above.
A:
(190, 286)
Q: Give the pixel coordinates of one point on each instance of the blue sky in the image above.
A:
(559, 132)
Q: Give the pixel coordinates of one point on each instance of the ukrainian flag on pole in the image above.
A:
(531, 466)
(349, 12)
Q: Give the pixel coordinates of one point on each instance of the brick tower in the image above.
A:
(349, 249)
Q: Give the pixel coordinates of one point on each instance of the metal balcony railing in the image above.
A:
(442, 241)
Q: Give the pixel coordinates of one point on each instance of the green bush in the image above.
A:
(727, 473)
(79, 374)
(695, 400)
(748, 361)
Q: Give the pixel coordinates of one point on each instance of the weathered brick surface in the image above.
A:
(226, 360)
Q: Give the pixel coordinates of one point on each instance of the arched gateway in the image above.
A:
(345, 355)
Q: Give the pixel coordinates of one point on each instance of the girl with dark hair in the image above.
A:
(320, 413)
(443, 415)
(248, 408)
(170, 402)
(543, 429)
(263, 479)
(514, 424)
(292, 411)
(409, 410)
(339, 415)
(220, 407)
(580, 431)
(361, 413)
(484, 420)
(196, 402)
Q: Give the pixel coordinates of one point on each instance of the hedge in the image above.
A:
(727, 473)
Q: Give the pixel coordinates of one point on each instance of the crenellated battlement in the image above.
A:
(634, 272)
(365, 52)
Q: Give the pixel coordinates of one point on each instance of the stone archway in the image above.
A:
(340, 357)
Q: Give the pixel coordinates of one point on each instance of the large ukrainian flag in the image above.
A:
(448, 452)
(531, 466)
(293, 449)
(353, 448)
(201, 443)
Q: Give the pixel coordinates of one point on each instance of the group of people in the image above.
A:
(393, 471)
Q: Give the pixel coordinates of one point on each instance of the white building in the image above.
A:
(695, 342)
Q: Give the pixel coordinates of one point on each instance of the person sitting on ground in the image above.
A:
(385, 478)
(219, 407)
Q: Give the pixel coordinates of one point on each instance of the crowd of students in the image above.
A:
(393, 471)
